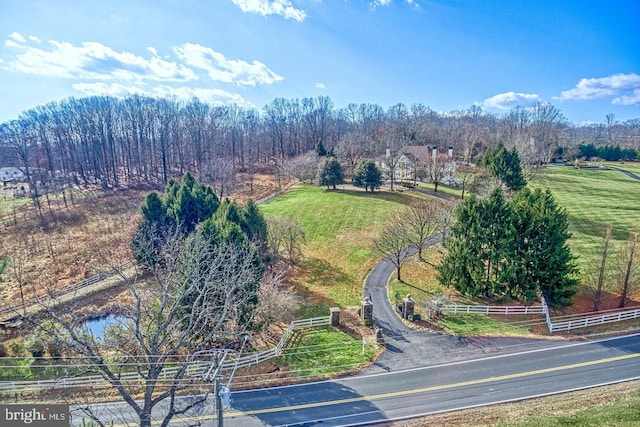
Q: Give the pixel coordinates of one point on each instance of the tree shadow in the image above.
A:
(378, 194)
(329, 403)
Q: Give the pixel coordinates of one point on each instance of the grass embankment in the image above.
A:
(340, 227)
(617, 405)
(323, 351)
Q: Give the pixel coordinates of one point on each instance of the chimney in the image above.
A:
(434, 152)
(450, 151)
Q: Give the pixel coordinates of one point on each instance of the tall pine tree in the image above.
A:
(511, 248)
(504, 165)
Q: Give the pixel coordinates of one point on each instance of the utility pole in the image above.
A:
(221, 394)
(216, 390)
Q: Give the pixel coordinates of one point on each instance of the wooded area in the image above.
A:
(110, 142)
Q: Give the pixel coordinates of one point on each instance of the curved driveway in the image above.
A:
(407, 348)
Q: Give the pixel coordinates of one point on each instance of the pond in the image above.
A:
(98, 325)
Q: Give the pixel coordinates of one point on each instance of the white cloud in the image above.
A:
(35, 39)
(632, 99)
(111, 89)
(320, 86)
(17, 37)
(272, 7)
(624, 88)
(11, 43)
(508, 100)
(374, 4)
(208, 95)
(225, 70)
(96, 69)
(95, 61)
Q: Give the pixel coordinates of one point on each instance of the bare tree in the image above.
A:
(285, 236)
(465, 175)
(192, 304)
(602, 271)
(277, 299)
(393, 244)
(422, 219)
(438, 168)
(627, 266)
(304, 167)
(352, 148)
(219, 172)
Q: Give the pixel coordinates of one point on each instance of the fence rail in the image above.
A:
(193, 369)
(554, 324)
(559, 324)
(20, 308)
(495, 309)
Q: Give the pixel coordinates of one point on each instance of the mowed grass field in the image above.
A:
(340, 227)
(594, 199)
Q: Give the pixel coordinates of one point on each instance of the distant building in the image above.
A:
(9, 174)
(415, 157)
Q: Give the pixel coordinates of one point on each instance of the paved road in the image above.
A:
(626, 172)
(379, 399)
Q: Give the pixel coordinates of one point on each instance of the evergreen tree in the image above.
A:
(151, 231)
(493, 229)
(512, 249)
(367, 175)
(330, 173)
(320, 150)
(553, 266)
(183, 206)
(462, 267)
(254, 223)
(189, 203)
(504, 165)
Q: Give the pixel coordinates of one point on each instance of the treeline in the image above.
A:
(110, 142)
(608, 152)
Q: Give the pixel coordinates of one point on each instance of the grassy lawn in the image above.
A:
(630, 166)
(476, 324)
(340, 227)
(593, 199)
(322, 351)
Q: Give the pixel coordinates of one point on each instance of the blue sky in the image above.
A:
(581, 56)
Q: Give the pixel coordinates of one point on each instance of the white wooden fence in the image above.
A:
(495, 309)
(568, 323)
(554, 324)
(193, 369)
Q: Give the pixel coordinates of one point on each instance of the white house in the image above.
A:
(8, 174)
(415, 156)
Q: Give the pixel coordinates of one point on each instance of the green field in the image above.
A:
(593, 199)
(340, 227)
(322, 351)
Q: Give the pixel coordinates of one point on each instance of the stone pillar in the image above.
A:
(379, 336)
(367, 311)
(407, 306)
(335, 316)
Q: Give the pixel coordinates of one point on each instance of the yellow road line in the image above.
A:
(405, 392)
